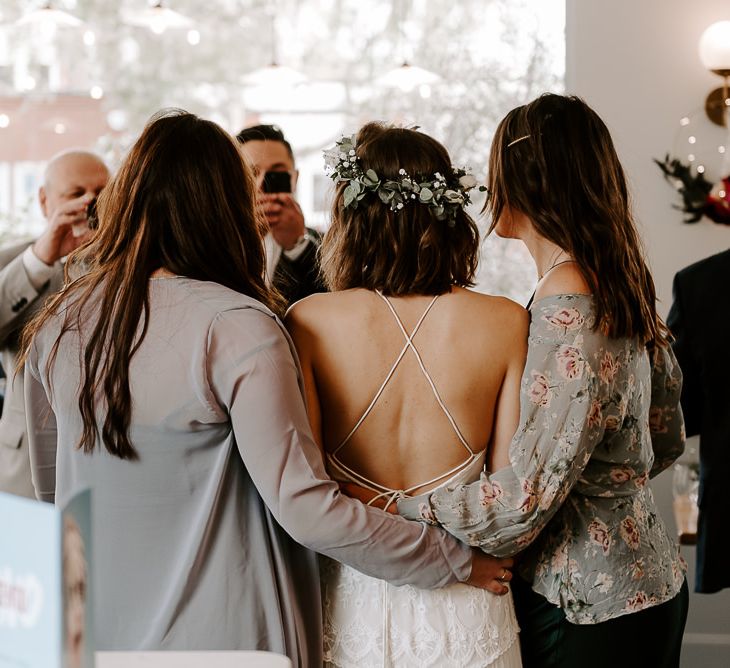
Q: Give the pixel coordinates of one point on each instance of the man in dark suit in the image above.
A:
(291, 247)
(30, 272)
(700, 321)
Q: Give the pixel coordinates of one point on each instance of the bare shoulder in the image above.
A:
(305, 309)
(499, 309)
(566, 279)
(318, 310)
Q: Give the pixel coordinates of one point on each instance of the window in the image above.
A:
(95, 85)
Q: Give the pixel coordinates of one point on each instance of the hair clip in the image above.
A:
(519, 139)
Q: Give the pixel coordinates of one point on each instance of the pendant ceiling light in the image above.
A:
(274, 74)
(157, 18)
(406, 77)
(48, 16)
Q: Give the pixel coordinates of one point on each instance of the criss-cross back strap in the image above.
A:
(383, 491)
(409, 344)
(390, 373)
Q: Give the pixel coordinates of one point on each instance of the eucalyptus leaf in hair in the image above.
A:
(444, 195)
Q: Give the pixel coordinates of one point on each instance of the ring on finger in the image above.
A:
(503, 577)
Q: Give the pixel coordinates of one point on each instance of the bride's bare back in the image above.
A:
(472, 346)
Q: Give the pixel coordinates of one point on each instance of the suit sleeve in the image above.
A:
(298, 278)
(677, 321)
(16, 295)
(259, 383)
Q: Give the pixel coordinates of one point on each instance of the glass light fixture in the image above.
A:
(274, 75)
(27, 82)
(117, 119)
(714, 49)
(406, 77)
(47, 16)
(157, 18)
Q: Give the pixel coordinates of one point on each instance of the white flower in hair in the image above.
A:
(468, 181)
(331, 158)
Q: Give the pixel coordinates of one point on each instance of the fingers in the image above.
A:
(499, 584)
(497, 588)
(272, 214)
(281, 203)
(272, 210)
(491, 573)
(71, 212)
(284, 217)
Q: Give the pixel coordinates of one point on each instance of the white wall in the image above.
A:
(635, 62)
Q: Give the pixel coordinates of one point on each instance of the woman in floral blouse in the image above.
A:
(602, 582)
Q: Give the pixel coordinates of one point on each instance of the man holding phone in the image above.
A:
(291, 247)
(30, 272)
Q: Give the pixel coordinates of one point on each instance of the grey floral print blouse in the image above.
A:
(598, 418)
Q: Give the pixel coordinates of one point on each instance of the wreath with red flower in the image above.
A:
(699, 196)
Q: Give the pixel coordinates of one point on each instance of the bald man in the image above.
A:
(29, 273)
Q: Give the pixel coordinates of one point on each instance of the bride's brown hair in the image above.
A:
(183, 200)
(554, 161)
(399, 253)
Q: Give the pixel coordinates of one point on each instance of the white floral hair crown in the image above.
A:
(445, 196)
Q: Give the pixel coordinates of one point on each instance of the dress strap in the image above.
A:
(409, 344)
(393, 368)
(381, 491)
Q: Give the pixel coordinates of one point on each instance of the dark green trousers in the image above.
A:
(651, 638)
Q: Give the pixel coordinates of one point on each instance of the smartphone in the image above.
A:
(276, 182)
(79, 229)
(91, 217)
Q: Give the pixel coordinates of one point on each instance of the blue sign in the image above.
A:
(44, 576)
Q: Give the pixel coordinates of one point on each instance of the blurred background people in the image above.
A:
(29, 273)
(291, 247)
(699, 320)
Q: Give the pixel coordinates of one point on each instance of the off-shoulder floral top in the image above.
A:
(598, 418)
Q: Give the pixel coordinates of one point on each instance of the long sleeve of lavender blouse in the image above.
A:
(192, 543)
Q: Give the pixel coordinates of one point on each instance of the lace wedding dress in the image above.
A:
(369, 623)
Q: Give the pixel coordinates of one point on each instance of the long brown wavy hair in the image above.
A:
(554, 161)
(183, 200)
(400, 253)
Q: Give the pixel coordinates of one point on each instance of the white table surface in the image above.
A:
(191, 660)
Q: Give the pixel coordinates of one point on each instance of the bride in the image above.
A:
(412, 383)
